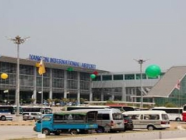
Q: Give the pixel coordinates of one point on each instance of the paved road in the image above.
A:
(174, 139)
(10, 132)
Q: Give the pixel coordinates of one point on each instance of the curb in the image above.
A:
(21, 123)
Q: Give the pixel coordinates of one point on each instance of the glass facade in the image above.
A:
(138, 76)
(118, 77)
(104, 94)
(98, 78)
(53, 81)
(106, 77)
(57, 78)
(122, 87)
(10, 69)
(129, 76)
(84, 81)
(176, 98)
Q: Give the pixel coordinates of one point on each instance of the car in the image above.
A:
(32, 116)
(128, 123)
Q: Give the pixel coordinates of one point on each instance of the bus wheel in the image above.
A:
(150, 127)
(46, 131)
(3, 118)
(73, 132)
(178, 119)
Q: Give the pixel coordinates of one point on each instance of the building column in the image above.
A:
(90, 89)
(78, 93)
(102, 95)
(135, 92)
(65, 84)
(123, 93)
(132, 95)
(50, 92)
(34, 95)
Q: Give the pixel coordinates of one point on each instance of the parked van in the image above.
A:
(108, 120)
(32, 116)
(149, 119)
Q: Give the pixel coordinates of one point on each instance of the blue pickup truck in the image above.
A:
(67, 122)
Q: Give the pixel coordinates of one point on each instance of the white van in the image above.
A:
(149, 119)
(108, 119)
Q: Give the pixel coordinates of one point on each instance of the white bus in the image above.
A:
(150, 119)
(36, 109)
(69, 108)
(174, 113)
(6, 112)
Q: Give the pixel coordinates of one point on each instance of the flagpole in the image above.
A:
(41, 98)
(42, 90)
(41, 72)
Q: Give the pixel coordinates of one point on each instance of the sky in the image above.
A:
(111, 34)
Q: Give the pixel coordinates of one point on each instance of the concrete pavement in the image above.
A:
(17, 123)
(173, 139)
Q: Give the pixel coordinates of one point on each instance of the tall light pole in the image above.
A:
(141, 61)
(18, 40)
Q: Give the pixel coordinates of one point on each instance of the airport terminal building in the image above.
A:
(75, 83)
(123, 86)
(63, 79)
(60, 82)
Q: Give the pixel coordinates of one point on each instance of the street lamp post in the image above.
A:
(18, 40)
(141, 61)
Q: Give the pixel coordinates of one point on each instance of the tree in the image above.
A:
(50, 101)
(82, 100)
(32, 100)
(96, 99)
(169, 104)
(65, 100)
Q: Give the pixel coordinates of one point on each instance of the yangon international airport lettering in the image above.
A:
(62, 61)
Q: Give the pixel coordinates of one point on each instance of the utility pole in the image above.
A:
(18, 40)
(141, 61)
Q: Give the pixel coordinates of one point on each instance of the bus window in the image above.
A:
(7, 109)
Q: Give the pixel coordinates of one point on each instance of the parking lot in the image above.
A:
(24, 129)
